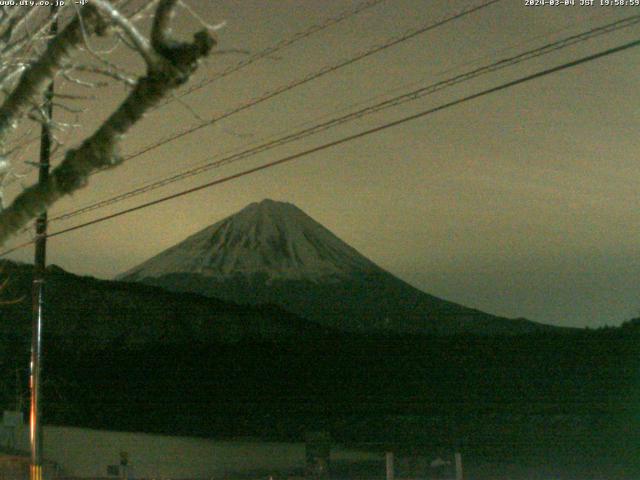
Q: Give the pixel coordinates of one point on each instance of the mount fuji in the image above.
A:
(274, 253)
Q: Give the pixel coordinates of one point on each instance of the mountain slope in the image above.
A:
(88, 312)
(272, 252)
(274, 240)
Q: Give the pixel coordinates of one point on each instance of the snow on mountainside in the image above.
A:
(273, 253)
(274, 239)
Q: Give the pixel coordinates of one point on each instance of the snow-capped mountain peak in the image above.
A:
(274, 253)
(269, 238)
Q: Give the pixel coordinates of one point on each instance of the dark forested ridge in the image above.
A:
(101, 312)
(531, 397)
(185, 364)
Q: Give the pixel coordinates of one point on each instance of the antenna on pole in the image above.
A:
(35, 472)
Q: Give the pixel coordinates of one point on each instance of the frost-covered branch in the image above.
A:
(140, 43)
(5, 169)
(170, 65)
(38, 75)
(118, 75)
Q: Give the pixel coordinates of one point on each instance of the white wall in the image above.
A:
(86, 453)
(82, 452)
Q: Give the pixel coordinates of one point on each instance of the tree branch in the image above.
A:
(37, 76)
(176, 61)
(140, 43)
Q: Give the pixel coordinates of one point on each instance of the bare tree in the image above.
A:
(26, 72)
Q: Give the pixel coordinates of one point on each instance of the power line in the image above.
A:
(265, 53)
(398, 100)
(314, 76)
(324, 71)
(350, 138)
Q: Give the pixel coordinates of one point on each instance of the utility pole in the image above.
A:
(390, 468)
(35, 472)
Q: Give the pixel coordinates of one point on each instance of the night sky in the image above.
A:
(522, 203)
